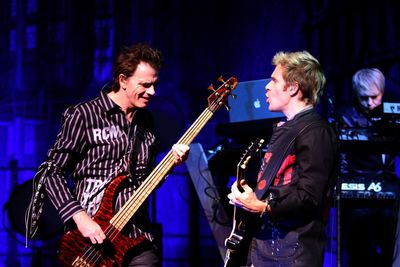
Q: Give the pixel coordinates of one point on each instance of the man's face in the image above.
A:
(371, 98)
(140, 87)
(277, 93)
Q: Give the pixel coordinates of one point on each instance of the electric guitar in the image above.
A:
(238, 241)
(76, 250)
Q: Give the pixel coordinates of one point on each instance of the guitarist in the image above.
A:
(105, 137)
(298, 171)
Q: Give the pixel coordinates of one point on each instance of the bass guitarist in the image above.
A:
(298, 171)
(105, 137)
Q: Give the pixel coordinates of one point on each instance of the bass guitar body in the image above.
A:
(76, 250)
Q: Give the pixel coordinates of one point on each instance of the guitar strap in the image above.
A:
(35, 206)
(277, 158)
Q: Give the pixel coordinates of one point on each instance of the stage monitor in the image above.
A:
(250, 103)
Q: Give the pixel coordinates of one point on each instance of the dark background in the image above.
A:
(57, 53)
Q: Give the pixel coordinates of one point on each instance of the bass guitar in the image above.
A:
(238, 241)
(76, 250)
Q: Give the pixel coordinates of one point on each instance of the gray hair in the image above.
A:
(364, 79)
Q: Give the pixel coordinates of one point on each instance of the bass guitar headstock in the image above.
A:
(220, 95)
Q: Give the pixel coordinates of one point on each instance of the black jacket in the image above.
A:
(294, 231)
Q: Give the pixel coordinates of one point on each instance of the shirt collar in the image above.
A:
(304, 111)
(106, 102)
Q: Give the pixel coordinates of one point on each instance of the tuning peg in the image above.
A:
(227, 107)
(211, 88)
(245, 162)
(221, 79)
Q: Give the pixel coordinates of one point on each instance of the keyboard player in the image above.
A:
(367, 154)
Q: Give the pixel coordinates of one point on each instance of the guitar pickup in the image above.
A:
(233, 241)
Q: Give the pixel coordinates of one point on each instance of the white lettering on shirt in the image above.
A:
(106, 133)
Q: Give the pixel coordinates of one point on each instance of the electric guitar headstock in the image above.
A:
(254, 147)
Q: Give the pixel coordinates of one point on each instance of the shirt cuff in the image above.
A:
(69, 209)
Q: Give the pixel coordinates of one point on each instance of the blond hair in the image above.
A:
(302, 68)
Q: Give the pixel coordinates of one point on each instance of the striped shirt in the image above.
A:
(97, 143)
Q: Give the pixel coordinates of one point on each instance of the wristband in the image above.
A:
(267, 209)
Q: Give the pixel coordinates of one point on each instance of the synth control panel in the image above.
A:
(362, 188)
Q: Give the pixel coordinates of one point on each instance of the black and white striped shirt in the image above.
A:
(96, 144)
